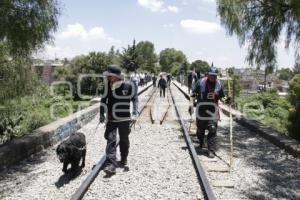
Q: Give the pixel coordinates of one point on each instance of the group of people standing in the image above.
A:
(140, 78)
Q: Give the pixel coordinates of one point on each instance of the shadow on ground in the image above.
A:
(67, 177)
(279, 173)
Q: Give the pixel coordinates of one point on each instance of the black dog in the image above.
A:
(71, 151)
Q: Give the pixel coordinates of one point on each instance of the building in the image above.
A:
(252, 80)
(45, 69)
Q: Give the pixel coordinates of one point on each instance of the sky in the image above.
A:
(192, 26)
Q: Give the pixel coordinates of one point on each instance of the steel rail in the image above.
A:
(150, 110)
(198, 167)
(165, 114)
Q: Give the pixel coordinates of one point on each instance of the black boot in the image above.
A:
(210, 154)
(201, 142)
(123, 162)
(200, 146)
(110, 169)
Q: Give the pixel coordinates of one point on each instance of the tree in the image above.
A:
(175, 68)
(146, 56)
(296, 69)
(200, 66)
(259, 23)
(114, 56)
(129, 58)
(234, 83)
(93, 63)
(294, 99)
(16, 77)
(26, 25)
(294, 91)
(230, 71)
(268, 70)
(285, 74)
(171, 60)
(185, 66)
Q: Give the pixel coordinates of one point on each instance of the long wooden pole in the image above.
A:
(230, 125)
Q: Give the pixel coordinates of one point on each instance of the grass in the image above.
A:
(23, 115)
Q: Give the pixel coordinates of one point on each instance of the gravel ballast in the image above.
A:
(160, 166)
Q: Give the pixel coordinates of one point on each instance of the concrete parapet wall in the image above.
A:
(45, 136)
(48, 135)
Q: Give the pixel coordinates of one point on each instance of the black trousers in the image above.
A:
(211, 126)
(111, 137)
(189, 87)
(162, 91)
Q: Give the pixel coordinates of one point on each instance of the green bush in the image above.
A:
(294, 99)
(268, 108)
(22, 116)
(294, 124)
(35, 120)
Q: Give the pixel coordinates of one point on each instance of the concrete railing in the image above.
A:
(45, 136)
(21, 148)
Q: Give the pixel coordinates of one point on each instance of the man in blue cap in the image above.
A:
(208, 91)
(116, 104)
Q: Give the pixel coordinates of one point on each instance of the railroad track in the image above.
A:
(80, 192)
(156, 114)
(199, 169)
(221, 175)
(214, 174)
(205, 168)
(260, 170)
(203, 180)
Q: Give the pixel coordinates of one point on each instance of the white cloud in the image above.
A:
(153, 5)
(75, 39)
(199, 26)
(78, 31)
(173, 9)
(157, 6)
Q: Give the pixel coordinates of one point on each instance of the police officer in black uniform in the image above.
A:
(154, 80)
(190, 81)
(116, 105)
(162, 84)
(208, 91)
(169, 77)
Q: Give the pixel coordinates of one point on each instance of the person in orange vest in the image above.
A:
(208, 91)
